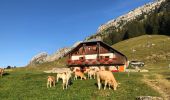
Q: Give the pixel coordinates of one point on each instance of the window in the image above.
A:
(89, 48)
(106, 56)
(95, 48)
(101, 57)
(81, 58)
(77, 52)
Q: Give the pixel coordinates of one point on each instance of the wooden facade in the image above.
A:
(95, 53)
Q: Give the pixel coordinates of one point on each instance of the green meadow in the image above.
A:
(22, 84)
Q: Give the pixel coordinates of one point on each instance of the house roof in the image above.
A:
(95, 41)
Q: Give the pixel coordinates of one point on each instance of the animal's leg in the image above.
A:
(105, 84)
(75, 77)
(50, 83)
(57, 79)
(109, 86)
(90, 76)
(99, 84)
(54, 83)
(63, 86)
(66, 84)
(115, 86)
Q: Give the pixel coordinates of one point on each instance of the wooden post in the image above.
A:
(98, 50)
(84, 51)
(128, 73)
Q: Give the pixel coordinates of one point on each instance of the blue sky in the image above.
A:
(28, 27)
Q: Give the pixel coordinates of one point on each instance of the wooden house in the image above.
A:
(95, 53)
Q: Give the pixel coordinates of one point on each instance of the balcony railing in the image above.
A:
(92, 61)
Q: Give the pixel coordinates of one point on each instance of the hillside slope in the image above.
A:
(147, 48)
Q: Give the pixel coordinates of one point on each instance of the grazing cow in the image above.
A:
(91, 73)
(51, 81)
(59, 76)
(1, 72)
(95, 68)
(69, 73)
(65, 80)
(102, 68)
(76, 69)
(65, 76)
(108, 78)
(79, 74)
(86, 70)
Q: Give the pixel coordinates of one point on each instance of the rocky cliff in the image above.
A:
(39, 58)
(44, 57)
(120, 22)
(57, 55)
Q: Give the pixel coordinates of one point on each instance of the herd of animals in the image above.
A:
(99, 73)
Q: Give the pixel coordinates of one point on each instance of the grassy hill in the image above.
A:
(154, 50)
(148, 48)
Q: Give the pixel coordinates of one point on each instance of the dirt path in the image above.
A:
(160, 84)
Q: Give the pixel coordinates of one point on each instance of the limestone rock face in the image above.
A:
(58, 54)
(39, 58)
(44, 57)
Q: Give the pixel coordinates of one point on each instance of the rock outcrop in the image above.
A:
(57, 55)
(44, 57)
(39, 58)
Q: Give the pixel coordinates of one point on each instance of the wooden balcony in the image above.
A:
(90, 62)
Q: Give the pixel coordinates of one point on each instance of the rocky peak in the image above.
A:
(122, 20)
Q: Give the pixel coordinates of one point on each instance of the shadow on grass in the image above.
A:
(70, 82)
(102, 85)
(168, 78)
(5, 74)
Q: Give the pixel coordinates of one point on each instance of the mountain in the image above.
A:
(43, 57)
(151, 18)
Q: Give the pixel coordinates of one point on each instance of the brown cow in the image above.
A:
(79, 74)
(51, 81)
(108, 78)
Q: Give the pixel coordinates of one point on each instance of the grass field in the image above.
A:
(147, 48)
(29, 83)
(23, 84)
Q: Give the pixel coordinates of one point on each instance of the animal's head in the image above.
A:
(114, 84)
